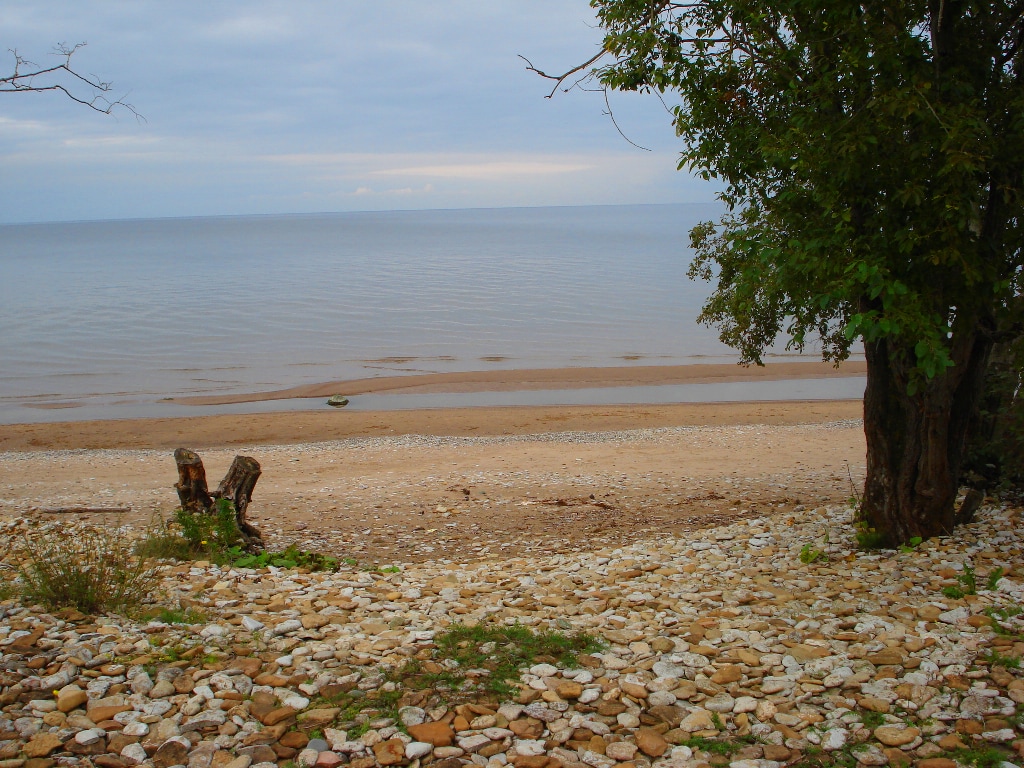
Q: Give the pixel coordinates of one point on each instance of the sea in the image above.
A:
(108, 319)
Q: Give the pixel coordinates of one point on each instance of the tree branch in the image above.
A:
(559, 79)
(29, 77)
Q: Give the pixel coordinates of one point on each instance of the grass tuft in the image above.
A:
(94, 571)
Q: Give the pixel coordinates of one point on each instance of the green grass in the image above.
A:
(968, 585)
(94, 571)
(177, 616)
(982, 757)
(993, 578)
(995, 659)
(192, 536)
(723, 747)
(468, 664)
(872, 719)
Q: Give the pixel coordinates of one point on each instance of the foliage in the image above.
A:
(968, 585)
(809, 554)
(94, 571)
(866, 536)
(992, 582)
(467, 663)
(869, 155)
(290, 557)
(216, 538)
(911, 545)
(178, 615)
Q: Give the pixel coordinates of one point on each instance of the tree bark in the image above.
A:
(915, 443)
(237, 486)
(191, 487)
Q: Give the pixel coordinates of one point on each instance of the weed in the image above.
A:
(712, 746)
(993, 578)
(968, 585)
(290, 557)
(390, 569)
(984, 757)
(178, 616)
(872, 719)
(716, 720)
(911, 545)
(93, 571)
(349, 561)
(995, 659)
(809, 554)
(867, 537)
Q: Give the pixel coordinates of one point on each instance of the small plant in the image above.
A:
(984, 757)
(968, 585)
(93, 571)
(390, 569)
(712, 746)
(866, 536)
(179, 616)
(809, 554)
(911, 545)
(995, 659)
(290, 557)
(872, 719)
(992, 582)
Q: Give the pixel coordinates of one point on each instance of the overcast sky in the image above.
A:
(322, 105)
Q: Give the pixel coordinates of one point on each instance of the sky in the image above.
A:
(302, 106)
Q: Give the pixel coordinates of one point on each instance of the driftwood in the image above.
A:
(85, 510)
(237, 487)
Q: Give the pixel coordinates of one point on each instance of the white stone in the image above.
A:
(252, 624)
(417, 749)
(834, 739)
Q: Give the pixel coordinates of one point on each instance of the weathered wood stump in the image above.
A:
(237, 487)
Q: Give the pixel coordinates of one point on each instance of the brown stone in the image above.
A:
(274, 681)
(610, 708)
(650, 742)
(369, 762)
(328, 760)
(951, 741)
(118, 741)
(886, 657)
(70, 697)
(39, 762)
(318, 718)
(970, 727)
(873, 704)
(294, 739)
(530, 761)
(936, 762)
(314, 621)
(440, 734)
(568, 689)
(279, 715)
(490, 750)
(99, 710)
(730, 673)
(670, 714)
(897, 757)
(778, 753)
(25, 642)
(170, 753)
(390, 752)
(42, 744)
(109, 761)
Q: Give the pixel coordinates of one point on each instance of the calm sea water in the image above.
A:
(122, 314)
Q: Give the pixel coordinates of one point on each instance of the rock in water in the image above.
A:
(338, 401)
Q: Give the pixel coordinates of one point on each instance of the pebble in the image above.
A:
(718, 637)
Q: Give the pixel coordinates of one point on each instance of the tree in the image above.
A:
(62, 77)
(872, 154)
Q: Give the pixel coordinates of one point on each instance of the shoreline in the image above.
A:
(299, 427)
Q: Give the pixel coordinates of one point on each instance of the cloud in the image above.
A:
(492, 171)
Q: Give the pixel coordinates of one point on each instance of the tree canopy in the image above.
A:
(872, 155)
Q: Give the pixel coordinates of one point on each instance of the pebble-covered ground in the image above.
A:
(855, 658)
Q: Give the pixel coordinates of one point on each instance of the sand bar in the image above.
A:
(545, 378)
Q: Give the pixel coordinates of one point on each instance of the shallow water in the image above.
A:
(122, 314)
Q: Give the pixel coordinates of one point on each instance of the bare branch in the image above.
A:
(611, 116)
(29, 77)
(559, 79)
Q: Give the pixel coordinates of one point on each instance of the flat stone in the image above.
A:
(896, 735)
(438, 734)
(70, 697)
(42, 744)
(650, 742)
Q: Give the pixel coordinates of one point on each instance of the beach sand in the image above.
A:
(459, 484)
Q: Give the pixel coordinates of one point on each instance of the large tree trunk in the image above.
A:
(915, 443)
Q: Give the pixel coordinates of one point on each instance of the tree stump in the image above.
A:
(236, 487)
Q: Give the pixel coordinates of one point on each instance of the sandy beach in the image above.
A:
(415, 485)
